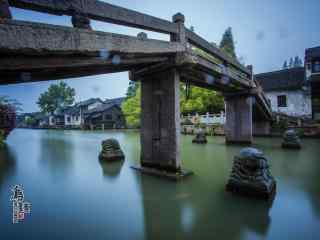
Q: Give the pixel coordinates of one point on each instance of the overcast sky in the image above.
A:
(266, 34)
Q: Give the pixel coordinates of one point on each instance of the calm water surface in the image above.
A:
(73, 196)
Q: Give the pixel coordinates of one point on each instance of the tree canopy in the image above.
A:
(132, 89)
(200, 101)
(13, 103)
(131, 108)
(293, 62)
(57, 96)
(227, 43)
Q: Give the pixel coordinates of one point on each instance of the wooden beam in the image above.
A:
(14, 77)
(203, 44)
(99, 10)
(38, 39)
(33, 63)
(201, 64)
(17, 69)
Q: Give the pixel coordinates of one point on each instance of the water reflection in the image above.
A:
(111, 170)
(7, 163)
(62, 177)
(57, 154)
(183, 211)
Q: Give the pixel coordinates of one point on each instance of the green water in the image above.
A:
(73, 196)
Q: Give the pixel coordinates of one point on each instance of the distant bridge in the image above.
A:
(32, 52)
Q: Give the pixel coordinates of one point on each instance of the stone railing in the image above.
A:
(208, 119)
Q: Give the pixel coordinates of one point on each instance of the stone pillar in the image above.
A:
(80, 20)
(238, 126)
(160, 121)
(5, 10)
(261, 128)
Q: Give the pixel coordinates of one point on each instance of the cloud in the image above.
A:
(260, 36)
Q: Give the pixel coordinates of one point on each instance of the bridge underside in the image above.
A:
(32, 52)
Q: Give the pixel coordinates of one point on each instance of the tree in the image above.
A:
(300, 62)
(131, 108)
(285, 65)
(132, 89)
(297, 62)
(200, 101)
(291, 63)
(13, 103)
(227, 43)
(7, 119)
(57, 96)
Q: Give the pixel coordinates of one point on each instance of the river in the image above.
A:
(73, 196)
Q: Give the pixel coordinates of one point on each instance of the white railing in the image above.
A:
(208, 119)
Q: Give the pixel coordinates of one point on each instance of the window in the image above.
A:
(316, 66)
(68, 119)
(282, 101)
(108, 117)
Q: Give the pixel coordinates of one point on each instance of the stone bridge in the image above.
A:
(32, 52)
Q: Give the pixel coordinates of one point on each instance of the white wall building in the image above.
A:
(287, 91)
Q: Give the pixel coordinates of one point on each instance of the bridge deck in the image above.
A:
(35, 52)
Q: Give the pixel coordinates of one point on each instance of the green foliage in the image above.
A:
(285, 65)
(58, 95)
(132, 89)
(201, 101)
(227, 43)
(132, 109)
(293, 62)
(30, 121)
(5, 100)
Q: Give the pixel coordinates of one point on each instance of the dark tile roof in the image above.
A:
(117, 101)
(287, 79)
(102, 108)
(88, 102)
(74, 110)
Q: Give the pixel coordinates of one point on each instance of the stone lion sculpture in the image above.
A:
(200, 137)
(251, 175)
(111, 151)
(291, 140)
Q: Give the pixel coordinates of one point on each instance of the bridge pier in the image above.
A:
(238, 126)
(160, 121)
(5, 10)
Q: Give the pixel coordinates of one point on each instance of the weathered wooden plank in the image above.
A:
(101, 11)
(19, 69)
(23, 63)
(207, 66)
(37, 38)
(201, 43)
